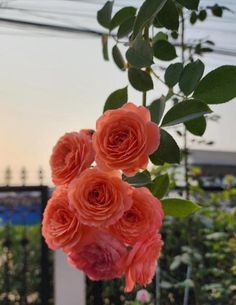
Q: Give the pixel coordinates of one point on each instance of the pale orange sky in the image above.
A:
(50, 85)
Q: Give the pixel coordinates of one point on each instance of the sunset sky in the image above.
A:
(50, 84)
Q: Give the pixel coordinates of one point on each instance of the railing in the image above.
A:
(25, 262)
(25, 265)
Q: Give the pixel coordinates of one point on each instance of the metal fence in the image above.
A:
(25, 263)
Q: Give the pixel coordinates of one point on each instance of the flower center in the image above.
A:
(97, 195)
(118, 137)
(131, 216)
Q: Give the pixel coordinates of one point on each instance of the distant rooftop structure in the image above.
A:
(215, 165)
(208, 157)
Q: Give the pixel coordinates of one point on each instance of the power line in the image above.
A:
(45, 13)
(83, 30)
(52, 27)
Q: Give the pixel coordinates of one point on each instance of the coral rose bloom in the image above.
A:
(100, 198)
(72, 154)
(124, 139)
(144, 216)
(61, 227)
(100, 258)
(141, 262)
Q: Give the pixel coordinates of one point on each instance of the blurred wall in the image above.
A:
(69, 283)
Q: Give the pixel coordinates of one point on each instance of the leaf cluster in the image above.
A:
(146, 38)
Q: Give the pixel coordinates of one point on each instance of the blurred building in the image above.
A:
(218, 168)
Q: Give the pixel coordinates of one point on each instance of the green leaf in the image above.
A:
(122, 15)
(157, 109)
(191, 76)
(159, 36)
(218, 86)
(176, 263)
(184, 112)
(193, 17)
(118, 58)
(173, 73)
(104, 14)
(217, 10)
(139, 180)
(169, 95)
(186, 283)
(126, 27)
(146, 13)
(105, 46)
(202, 15)
(216, 236)
(159, 186)
(140, 55)
(156, 23)
(199, 50)
(116, 99)
(169, 16)
(140, 80)
(174, 35)
(168, 151)
(190, 4)
(177, 207)
(197, 126)
(166, 285)
(164, 50)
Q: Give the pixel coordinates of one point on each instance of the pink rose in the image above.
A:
(100, 258)
(72, 154)
(124, 139)
(143, 296)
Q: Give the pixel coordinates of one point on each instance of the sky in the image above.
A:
(51, 84)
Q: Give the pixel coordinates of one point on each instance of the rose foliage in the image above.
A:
(106, 213)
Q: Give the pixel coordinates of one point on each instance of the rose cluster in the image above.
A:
(106, 227)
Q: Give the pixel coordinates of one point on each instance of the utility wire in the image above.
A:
(82, 30)
(56, 15)
(52, 27)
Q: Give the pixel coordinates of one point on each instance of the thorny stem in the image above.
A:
(158, 77)
(182, 37)
(187, 185)
(186, 169)
(185, 130)
(144, 98)
(146, 37)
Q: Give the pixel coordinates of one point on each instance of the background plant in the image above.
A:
(20, 246)
(204, 264)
